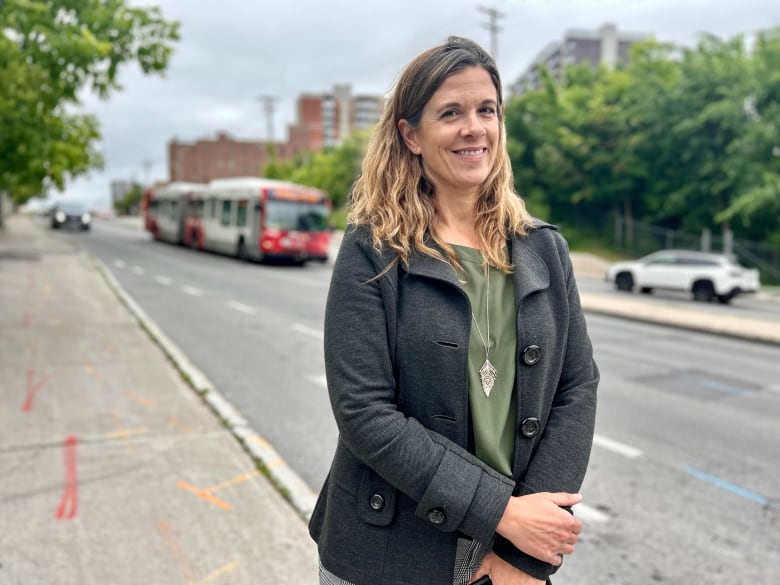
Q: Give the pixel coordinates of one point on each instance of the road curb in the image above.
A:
(287, 482)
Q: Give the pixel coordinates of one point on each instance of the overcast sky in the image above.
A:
(233, 51)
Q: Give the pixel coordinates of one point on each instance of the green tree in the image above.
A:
(333, 170)
(129, 204)
(755, 156)
(50, 50)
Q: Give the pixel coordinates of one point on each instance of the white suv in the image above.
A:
(707, 276)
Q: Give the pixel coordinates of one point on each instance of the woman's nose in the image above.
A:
(472, 125)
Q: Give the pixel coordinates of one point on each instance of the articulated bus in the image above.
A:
(247, 217)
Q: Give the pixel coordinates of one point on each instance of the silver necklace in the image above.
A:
(488, 372)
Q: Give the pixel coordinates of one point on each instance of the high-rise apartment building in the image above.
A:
(605, 46)
(326, 119)
(323, 120)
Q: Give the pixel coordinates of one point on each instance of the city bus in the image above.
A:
(164, 210)
(250, 218)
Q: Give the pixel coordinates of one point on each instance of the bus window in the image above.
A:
(293, 215)
(174, 205)
(212, 208)
(226, 213)
(241, 215)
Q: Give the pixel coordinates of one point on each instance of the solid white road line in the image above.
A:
(616, 447)
(137, 270)
(164, 280)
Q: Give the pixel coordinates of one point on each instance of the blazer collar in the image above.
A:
(530, 273)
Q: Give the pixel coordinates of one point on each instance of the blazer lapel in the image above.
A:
(531, 272)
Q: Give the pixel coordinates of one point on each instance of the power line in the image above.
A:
(493, 27)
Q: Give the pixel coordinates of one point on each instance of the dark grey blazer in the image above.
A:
(403, 485)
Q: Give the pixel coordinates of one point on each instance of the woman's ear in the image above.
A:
(409, 135)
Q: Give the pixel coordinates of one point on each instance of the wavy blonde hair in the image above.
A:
(392, 195)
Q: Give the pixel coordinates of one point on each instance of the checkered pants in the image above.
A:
(467, 560)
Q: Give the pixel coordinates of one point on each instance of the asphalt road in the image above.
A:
(683, 483)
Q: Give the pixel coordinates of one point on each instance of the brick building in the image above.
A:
(320, 124)
(206, 159)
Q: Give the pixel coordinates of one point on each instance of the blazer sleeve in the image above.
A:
(453, 489)
(561, 458)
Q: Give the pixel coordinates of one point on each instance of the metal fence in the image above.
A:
(639, 238)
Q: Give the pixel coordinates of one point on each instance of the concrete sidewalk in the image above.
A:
(115, 470)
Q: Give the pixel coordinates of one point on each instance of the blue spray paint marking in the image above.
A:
(735, 489)
(721, 387)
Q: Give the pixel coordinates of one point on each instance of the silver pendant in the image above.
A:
(488, 374)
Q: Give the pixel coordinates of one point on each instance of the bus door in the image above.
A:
(256, 228)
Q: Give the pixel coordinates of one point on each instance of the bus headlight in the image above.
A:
(86, 218)
(60, 217)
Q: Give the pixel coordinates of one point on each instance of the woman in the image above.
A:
(458, 363)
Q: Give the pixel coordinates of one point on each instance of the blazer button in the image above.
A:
(531, 355)
(530, 427)
(377, 503)
(436, 517)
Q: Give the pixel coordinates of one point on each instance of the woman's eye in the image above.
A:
(449, 114)
(490, 110)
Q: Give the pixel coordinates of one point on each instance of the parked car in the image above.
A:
(707, 276)
(71, 214)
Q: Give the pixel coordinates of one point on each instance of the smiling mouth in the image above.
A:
(471, 151)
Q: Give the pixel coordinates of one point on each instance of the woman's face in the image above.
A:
(457, 136)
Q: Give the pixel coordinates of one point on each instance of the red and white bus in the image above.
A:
(248, 217)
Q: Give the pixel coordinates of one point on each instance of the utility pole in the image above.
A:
(493, 27)
(147, 167)
(268, 105)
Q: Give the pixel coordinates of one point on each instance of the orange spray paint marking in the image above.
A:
(173, 421)
(208, 493)
(32, 389)
(184, 564)
(70, 496)
(147, 402)
(205, 495)
(214, 575)
(178, 554)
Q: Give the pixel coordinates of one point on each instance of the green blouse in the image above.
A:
(493, 417)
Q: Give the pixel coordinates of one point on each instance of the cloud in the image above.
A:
(231, 51)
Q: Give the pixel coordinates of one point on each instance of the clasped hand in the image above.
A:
(538, 525)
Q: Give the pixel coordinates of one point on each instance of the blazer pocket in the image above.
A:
(376, 499)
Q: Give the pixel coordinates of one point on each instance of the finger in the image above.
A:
(577, 526)
(566, 499)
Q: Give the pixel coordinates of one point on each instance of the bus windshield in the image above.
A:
(293, 215)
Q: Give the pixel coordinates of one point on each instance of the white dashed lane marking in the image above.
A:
(242, 308)
(616, 447)
(192, 291)
(310, 331)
